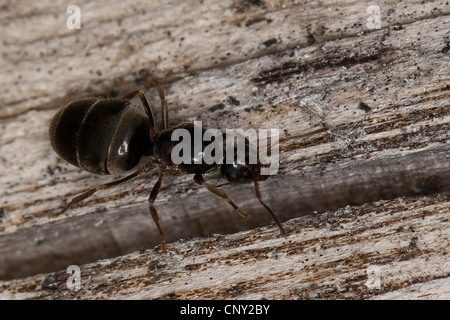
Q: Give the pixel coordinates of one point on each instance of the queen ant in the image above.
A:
(112, 136)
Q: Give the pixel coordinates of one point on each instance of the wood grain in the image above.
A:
(364, 154)
(375, 250)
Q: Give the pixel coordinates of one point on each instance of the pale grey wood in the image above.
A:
(363, 113)
(376, 250)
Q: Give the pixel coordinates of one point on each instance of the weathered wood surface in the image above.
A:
(371, 251)
(364, 118)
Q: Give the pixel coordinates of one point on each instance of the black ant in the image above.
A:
(111, 136)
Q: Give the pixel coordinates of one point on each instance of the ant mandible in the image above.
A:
(111, 136)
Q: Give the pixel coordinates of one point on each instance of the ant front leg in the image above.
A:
(238, 173)
(198, 177)
(258, 196)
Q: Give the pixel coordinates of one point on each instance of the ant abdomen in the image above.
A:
(96, 135)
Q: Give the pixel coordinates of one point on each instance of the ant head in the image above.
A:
(240, 172)
(242, 169)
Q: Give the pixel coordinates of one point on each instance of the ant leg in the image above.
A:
(155, 217)
(147, 107)
(198, 177)
(164, 109)
(258, 196)
(105, 186)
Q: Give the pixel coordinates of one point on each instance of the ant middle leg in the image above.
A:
(198, 178)
(153, 212)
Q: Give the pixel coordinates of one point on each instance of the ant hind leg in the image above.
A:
(164, 108)
(147, 107)
(105, 186)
